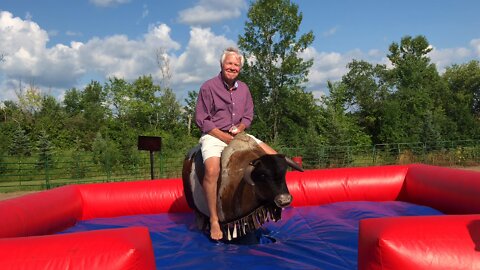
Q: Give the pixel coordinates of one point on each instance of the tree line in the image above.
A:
(407, 101)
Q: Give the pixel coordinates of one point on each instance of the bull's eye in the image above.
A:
(260, 177)
(263, 177)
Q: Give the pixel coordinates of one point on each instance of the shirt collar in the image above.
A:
(235, 85)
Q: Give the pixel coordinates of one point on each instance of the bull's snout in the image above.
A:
(283, 200)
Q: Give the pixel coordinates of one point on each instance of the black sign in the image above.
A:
(150, 143)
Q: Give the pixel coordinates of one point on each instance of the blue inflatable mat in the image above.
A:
(313, 237)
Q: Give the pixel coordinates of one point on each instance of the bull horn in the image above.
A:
(248, 174)
(293, 164)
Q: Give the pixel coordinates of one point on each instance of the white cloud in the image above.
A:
(331, 66)
(108, 3)
(61, 67)
(201, 59)
(145, 11)
(159, 35)
(330, 32)
(23, 44)
(446, 57)
(71, 33)
(475, 43)
(212, 11)
(27, 57)
(16, 33)
(326, 66)
(53, 33)
(118, 56)
(28, 16)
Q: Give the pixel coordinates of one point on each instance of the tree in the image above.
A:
(29, 100)
(10, 111)
(72, 102)
(163, 63)
(45, 148)
(365, 94)
(300, 121)
(77, 168)
(273, 69)
(20, 145)
(417, 89)
(140, 107)
(132, 112)
(87, 113)
(144, 104)
(105, 153)
(119, 95)
(169, 111)
(29, 103)
(463, 103)
(10, 122)
(337, 125)
(51, 120)
(93, 110)
(75, 124)
(93, 105)
(189, 113)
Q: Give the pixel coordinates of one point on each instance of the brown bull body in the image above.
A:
(251, 188)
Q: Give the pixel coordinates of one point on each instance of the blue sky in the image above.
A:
(55, 45)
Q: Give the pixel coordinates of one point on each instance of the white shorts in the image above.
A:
(213, 147)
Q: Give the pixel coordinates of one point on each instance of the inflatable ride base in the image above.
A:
(370, 218)
(310, 237)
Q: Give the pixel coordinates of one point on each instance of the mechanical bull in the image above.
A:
(251, 189)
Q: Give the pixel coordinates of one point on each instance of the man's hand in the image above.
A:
(223, 136)
(236, 129)
(227, 138)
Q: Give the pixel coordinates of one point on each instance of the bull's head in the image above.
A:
(267, 175)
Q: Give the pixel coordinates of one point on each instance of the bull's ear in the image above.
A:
(247, 176)
(254, 162)
(293, 164)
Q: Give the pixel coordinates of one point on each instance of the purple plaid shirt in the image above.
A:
(217, 107)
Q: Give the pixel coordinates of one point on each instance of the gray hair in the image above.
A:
(231, 50)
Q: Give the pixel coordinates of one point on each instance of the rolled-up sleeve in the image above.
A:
(203, 117)
(248, 111)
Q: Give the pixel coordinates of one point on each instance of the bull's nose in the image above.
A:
(283, 200)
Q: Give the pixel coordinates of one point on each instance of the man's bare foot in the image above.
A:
(215, 231)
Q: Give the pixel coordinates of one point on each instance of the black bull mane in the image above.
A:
(239, 210)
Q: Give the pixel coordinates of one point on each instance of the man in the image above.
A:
(224, 109)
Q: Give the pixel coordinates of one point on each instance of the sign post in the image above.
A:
(152, 144)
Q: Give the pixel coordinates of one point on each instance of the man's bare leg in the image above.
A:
(267, 149)
(212, 172)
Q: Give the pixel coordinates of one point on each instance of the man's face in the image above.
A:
(231, 68)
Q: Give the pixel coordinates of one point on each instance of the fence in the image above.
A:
(27, 173)
(443, 153)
